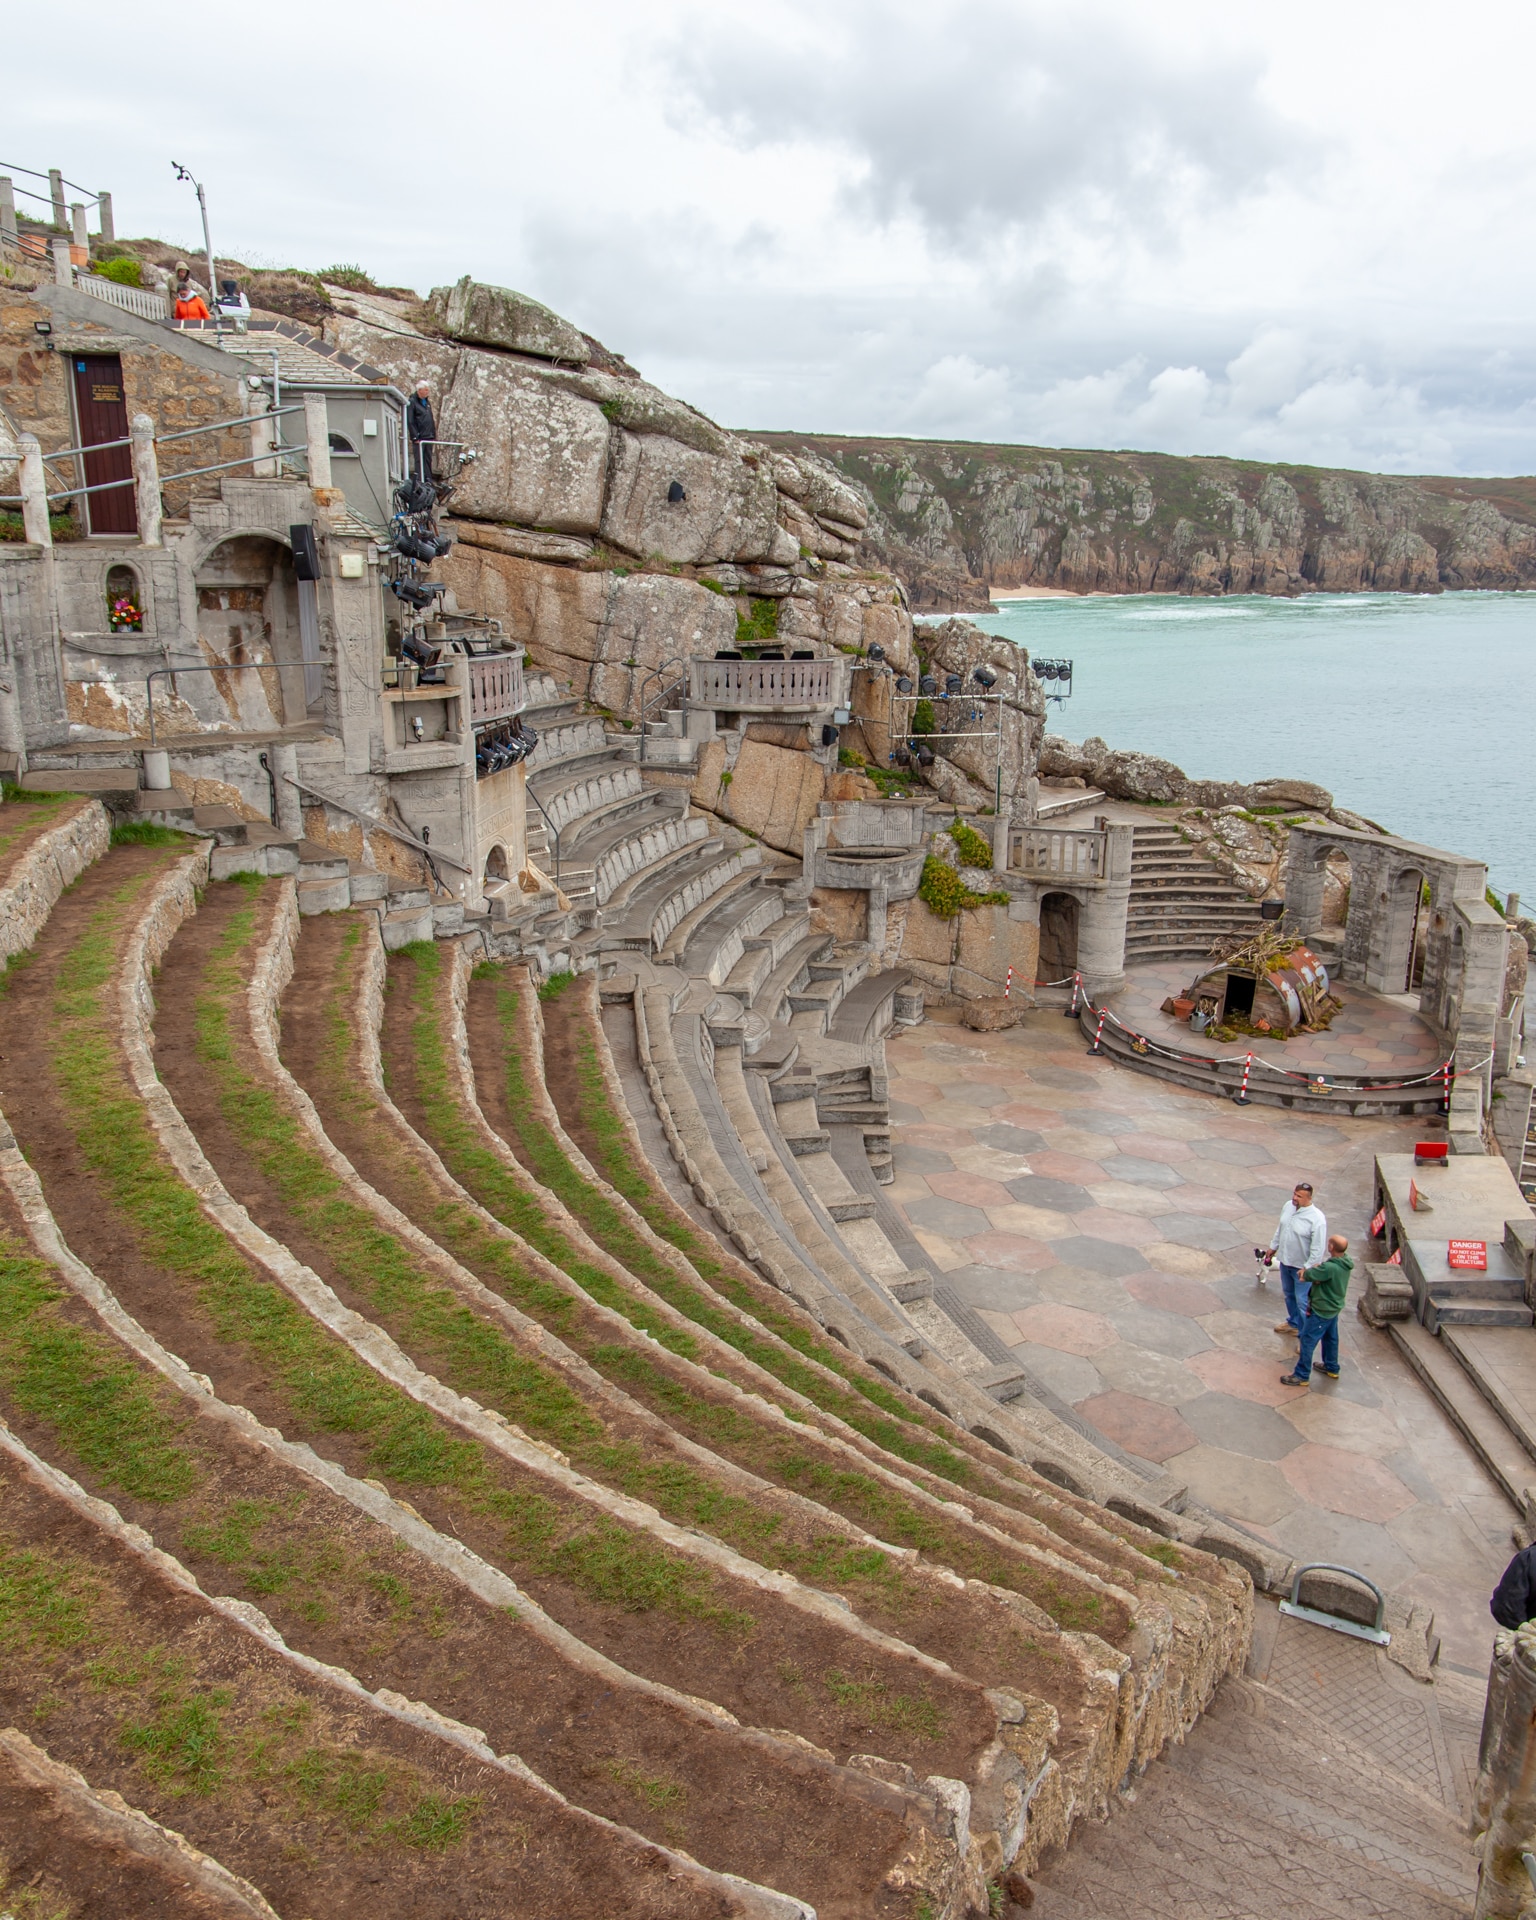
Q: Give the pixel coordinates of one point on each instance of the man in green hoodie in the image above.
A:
(1330, 1283)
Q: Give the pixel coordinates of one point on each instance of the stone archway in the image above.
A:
(1406, 932)
(1059, 917)
(497, 870)
(248, 617)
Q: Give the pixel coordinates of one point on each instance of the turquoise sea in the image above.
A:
(1416, 710)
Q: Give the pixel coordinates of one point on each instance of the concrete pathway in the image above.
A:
(1103, 1223)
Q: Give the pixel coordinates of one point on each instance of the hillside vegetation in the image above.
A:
(956, 518)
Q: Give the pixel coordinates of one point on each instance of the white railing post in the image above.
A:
(34, 492)
(317, 439)
(146, 479)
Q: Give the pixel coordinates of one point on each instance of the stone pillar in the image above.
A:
(80, 232)
(290, 807)
(1102, 915)
(1507, 1783)
(262, 425)
(146, 479)
(104, 216)
(56, 195)
(157, 770)
(7, 208)
(34, 492)
(317, 439)
(63, 264)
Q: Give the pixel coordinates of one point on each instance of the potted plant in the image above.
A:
(125, 615)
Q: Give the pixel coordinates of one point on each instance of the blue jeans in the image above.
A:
(1297, 1293)
(1315, 1328)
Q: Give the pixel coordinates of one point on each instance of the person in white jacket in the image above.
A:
(1301, 1241)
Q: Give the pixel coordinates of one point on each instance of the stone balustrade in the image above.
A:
(496, 689)
(769, 686)
(1075, 854)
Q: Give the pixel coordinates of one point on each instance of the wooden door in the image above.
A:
(103, 416)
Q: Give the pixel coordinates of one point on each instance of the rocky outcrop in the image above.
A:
(1126, 775)
(542, 452)
(487, 316)
(956, 520)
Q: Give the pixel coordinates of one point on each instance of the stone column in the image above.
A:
(63, 264)
(7, 208)
(317, 439)
(82, 237)
(34, 492)
(262, 424)
(104, 216)
(1504, 1887)
(157, 770)
(146, 480)
(56, 195)
(1102, 915)
(290, 807)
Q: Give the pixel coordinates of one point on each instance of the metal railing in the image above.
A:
(554, 830)
(1059, 853)
(769, 686)
(222, 666)
(274, 452)
(673, 677)
(496, 688)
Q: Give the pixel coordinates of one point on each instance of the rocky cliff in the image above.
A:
(611, 526)
(956, 519)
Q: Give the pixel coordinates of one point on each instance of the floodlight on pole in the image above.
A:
(182, 173)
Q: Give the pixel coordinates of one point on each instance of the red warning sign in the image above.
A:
(1472, 1254)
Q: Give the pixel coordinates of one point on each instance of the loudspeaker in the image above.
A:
(306, 555)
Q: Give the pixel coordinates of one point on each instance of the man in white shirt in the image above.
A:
(1301, 1241)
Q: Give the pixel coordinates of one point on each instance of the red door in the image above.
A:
(103, 416)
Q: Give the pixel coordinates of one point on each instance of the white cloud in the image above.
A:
(1099, 225)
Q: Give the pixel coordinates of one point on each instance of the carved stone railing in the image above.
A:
(769, 686)
(1079, 855)
(496, 690)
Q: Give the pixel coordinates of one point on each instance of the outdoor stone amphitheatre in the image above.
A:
(447, 1409)
(477, 1435)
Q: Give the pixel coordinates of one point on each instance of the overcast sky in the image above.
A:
(1297, 233)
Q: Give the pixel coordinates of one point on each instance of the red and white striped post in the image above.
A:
(1445, 1095)
(1098, 1037)
(1008, 989)
(1241, 1096)
(1077, 988)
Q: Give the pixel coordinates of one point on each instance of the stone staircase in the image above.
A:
(1323, 1783)
(1180, 902)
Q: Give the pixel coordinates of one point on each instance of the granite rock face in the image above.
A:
(542, 452)
(685, 506)
(486, 316)
(1127, 775)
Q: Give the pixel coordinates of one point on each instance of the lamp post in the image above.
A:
(202, 206)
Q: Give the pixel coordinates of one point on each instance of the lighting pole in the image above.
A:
(202, 206)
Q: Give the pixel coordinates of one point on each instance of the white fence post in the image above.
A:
(146, 479)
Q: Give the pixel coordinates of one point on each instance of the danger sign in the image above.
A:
(1468, 1253)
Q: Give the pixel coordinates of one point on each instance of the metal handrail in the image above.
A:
(189, 473)
(380, 826)
(1376, 1633)
(647, 700)
(548, 823)
(182, 433)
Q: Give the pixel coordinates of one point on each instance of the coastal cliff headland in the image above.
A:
(955, 519)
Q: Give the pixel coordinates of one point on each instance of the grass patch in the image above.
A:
(146, 833)
(902, 1712)
(59, 1623)
(306, 1367)
(945, 894)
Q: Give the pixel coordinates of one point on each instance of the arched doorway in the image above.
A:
(248, 616)
(496, 873)
(1338, 882)
(1058, 936)
(1407, 931)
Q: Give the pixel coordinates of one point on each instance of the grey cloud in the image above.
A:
(985, 118)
